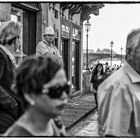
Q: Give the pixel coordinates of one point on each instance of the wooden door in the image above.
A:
(29, 32)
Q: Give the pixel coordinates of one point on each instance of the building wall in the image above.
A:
(5, 11)
(46, 17)
(75, 27)
(44, 7)
(76, 19)
(66, 14)
(57, 23)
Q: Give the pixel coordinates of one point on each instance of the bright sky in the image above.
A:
(113, 23)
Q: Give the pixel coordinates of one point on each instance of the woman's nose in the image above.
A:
(64, 95)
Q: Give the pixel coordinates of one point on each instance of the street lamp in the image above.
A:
(87, 28)
(111, 45)
(121, 54)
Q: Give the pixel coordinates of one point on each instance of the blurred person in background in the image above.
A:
(46, 46)
(106, 67)
(11, 106)
(98, 76)
(119, 95)
(108, 72)
(44, 88)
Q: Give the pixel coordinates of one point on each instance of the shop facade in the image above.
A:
(66, 19)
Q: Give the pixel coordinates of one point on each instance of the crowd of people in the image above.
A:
(33, 96)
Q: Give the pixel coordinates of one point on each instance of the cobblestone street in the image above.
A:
(86, 128)
(76, 108)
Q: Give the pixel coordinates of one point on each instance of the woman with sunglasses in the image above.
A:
(43, 85)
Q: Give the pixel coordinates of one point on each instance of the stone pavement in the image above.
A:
(89, 128)
(76, 108)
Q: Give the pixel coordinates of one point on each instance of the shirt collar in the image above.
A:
(50, 45)
(8, 52)
(134, 76)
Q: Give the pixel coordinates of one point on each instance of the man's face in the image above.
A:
(136, 59)
(49, 38)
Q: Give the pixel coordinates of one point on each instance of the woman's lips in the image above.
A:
(61, 107)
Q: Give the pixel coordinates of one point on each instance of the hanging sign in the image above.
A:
(76, 34)
(65, 31)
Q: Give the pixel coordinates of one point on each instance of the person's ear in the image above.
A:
(129, 54)
(30, 98)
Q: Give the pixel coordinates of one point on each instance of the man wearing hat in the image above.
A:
(46, 46)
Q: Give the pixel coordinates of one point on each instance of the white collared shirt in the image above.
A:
(119, 103)
(43, 47)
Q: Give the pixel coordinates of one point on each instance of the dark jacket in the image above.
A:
(96, 82)
(11, 106)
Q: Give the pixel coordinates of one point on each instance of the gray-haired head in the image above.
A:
(9, 31)
(133, 41)
(133, 50)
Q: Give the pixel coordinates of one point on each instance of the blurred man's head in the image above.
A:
(133, 49)
(49, 34)
(10, 33)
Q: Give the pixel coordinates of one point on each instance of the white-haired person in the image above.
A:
(11, 106)
(119, 95)
(47, 47)
(43, 85)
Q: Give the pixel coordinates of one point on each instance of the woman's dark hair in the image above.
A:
(33, 72)
(96, 71)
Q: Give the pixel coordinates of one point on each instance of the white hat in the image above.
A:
(49, 31)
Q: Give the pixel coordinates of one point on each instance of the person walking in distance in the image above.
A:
(119, 95)
(46, 46)
(98, 76)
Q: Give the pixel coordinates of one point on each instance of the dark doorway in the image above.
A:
(29, 33)
(28, 19)
(75, 65)
(64, 52)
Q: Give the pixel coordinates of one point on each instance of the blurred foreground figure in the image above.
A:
(43, 85)
(10, 104)
(119, 95)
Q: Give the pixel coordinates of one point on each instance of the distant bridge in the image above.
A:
(98, 56)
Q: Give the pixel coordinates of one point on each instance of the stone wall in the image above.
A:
(86, 82)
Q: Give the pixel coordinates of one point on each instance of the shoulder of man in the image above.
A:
(42, 48)
(42, 43)
(113, 78)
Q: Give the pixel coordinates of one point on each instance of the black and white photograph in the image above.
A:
(70, 69)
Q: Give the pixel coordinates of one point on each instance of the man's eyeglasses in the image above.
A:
(57, 91)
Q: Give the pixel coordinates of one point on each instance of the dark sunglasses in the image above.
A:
(57, 91)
